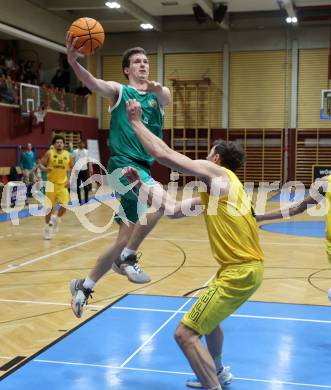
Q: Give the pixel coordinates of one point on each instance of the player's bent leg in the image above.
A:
(106, 260)
(198, 356)
(62, 195)
(80, 291)
(128, 265)
(79, 296)
(157, 198)
(51, 199)
(215, 347)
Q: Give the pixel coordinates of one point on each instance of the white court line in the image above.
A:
(168, 311)
(232, 315)
(161, 327)
(6, 357)
(178, 373)
(36, 259)
(281, 318)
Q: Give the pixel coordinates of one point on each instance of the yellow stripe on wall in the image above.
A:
(197, 66)
(112, 71)
(257, 89)
(313, 77)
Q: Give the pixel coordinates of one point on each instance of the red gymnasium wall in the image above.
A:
(15, 130)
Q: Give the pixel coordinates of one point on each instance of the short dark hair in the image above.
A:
(56, 138)
(127, 54)
(231, 153)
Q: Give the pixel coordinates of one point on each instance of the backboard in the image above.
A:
(325, 111)
(29, 98)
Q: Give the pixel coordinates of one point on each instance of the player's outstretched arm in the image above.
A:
(159, 198)
(165, 155)
(316, 194)
(104, 88)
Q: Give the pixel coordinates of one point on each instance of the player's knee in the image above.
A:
(179, 335)
(184, 336)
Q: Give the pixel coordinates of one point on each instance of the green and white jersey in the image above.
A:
(123, 142)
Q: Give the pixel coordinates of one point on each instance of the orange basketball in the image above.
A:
(90, 34)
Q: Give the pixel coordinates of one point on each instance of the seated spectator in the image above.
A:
(57, 80)
(7, 93)
(82, 90)
(9, 62)
(40, 74)
(3, 69)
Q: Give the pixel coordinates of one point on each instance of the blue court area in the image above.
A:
(297, 228)
(130, 346)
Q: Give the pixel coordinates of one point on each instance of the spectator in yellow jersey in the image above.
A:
(58, 164)
(234, 242)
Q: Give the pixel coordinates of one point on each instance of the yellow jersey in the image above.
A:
(231, 225)
(59, 162)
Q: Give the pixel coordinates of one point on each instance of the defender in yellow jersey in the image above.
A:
(57, 162)
(320, 188)
(234, 242)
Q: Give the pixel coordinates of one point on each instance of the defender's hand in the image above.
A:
(131, 174)
(133, 109)
(153, 87)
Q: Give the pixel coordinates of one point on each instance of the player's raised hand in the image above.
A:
(133, 109)
(72, 52)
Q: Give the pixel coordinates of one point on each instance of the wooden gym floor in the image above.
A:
(35, 274)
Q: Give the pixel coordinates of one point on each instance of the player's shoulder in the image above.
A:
(116, 86)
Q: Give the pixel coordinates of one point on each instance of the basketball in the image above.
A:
(90, 35)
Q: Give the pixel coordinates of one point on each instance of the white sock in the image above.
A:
(127, 252)
(89, 283)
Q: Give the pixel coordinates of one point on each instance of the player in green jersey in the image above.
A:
(125, 150)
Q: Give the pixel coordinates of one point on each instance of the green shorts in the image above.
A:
(231, 287)
(131, 207)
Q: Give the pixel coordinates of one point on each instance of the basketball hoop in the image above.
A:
(40, 116)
